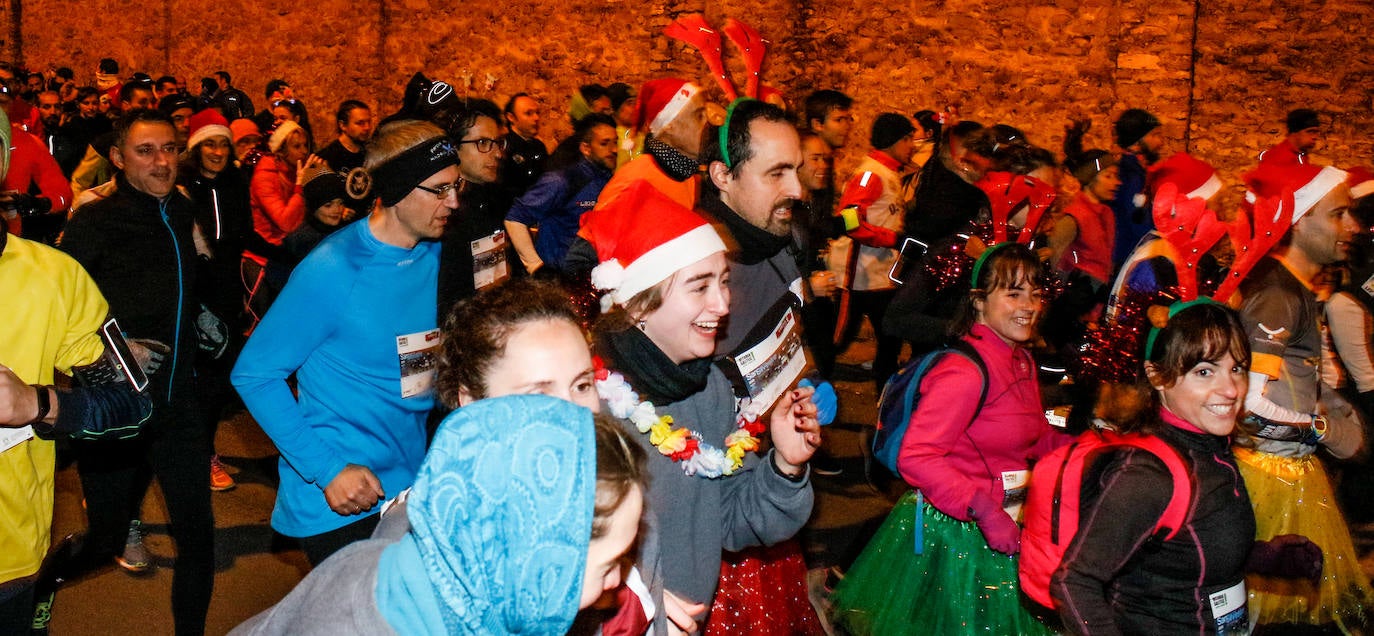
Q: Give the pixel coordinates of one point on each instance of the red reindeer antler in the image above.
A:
(752, 48)
(694, 30)
(1273, 216)
(1006, 193)
(1190, 228)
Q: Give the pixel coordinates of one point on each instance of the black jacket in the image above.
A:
(140, 252)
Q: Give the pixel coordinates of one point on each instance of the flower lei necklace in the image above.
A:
(679, 444)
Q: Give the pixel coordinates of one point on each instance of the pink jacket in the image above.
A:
(950, 467)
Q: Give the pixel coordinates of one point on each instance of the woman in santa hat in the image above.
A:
(667, 281)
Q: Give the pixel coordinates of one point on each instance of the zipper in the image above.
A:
(181, 295)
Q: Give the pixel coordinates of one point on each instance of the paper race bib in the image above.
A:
(489, 265)
(419, 356)
(1014, 484)
(773, 365)
(11, 437)
(1228, 610)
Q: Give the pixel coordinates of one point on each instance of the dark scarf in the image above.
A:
(648, 370)
(756, 245)
(678, 166)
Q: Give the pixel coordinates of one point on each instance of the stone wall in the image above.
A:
(1220, 74)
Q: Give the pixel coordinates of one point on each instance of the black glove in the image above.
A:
(1287, 556)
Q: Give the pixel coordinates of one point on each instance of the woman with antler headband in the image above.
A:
(966, 458)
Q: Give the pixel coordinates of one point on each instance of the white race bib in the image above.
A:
(11, 437)
(1228, 610)
(489, 260)
(419, 356)
(1014, 492)
(772, 366)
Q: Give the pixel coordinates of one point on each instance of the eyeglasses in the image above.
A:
(485, 144)
(443, 191)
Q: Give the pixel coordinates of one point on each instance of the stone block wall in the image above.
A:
(1220, 74)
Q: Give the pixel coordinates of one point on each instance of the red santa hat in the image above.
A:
(641, 238)
(206, 124)
(1361, 182)
(1307, 182)
(661, 100)
(1195, 178)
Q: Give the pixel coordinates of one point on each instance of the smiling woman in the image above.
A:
(1116, 578)
(966, 459)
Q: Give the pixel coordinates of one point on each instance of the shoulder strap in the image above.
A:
(965, 349)
(1176, 512)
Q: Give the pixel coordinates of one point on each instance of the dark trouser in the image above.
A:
(176, 446)
(874, 304)
(318, 547)
(818, 318)
(16, 604)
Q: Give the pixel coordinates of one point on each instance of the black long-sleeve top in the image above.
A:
(1116, 579)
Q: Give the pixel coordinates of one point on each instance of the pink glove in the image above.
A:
(997, 526)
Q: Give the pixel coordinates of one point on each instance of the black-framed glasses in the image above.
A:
(443, 191)
(485, 144)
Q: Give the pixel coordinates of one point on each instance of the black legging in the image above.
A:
(873, 304)
(175, 445)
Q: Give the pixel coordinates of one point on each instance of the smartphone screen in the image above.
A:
(122, 355)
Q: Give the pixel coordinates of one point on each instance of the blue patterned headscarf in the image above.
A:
(501, 516)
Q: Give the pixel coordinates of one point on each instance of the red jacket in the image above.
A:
(278, 203)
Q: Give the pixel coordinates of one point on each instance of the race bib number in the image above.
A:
(11, 437)
(1228, 610)
(1014, 484)
(489, 265)
(419, 355)
(773, 365)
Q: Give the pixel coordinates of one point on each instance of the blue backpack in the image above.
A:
(903, 391)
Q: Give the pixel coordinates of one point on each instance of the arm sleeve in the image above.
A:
(1256, 403)
(87, 173)
(48, 175)
(278, 347)
(860, 193)
(936, 427)
(285, 209)
(1061, 235)
(910, 316)
(539, 200)
(1111, 529)
(1351, 329)
(761, 507)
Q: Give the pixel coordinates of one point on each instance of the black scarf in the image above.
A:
(678, 166)
(648, 370)
(756, 245)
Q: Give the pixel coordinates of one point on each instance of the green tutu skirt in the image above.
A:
(957, 585)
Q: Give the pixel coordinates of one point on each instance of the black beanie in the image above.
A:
(1133, 125)
(889, 129)
(322, 188)
(1302, 119)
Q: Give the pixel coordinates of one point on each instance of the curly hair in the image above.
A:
(476, 329)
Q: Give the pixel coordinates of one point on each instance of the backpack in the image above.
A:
(902, 392)
(1052, 505)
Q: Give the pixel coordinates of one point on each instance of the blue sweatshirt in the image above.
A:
(355, 312)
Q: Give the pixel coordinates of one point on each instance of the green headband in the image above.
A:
(978, 265)
(1174, 309)
(725, 131)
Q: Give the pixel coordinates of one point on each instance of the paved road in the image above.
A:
(255, 567)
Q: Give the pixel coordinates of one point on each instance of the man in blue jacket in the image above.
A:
(556, 202)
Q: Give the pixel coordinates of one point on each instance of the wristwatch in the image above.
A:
(44, 403)
(1319, 426)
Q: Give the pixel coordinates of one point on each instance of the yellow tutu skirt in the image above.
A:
(1293, 496)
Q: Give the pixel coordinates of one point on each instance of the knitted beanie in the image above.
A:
(1133, 125)
(890, 128)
